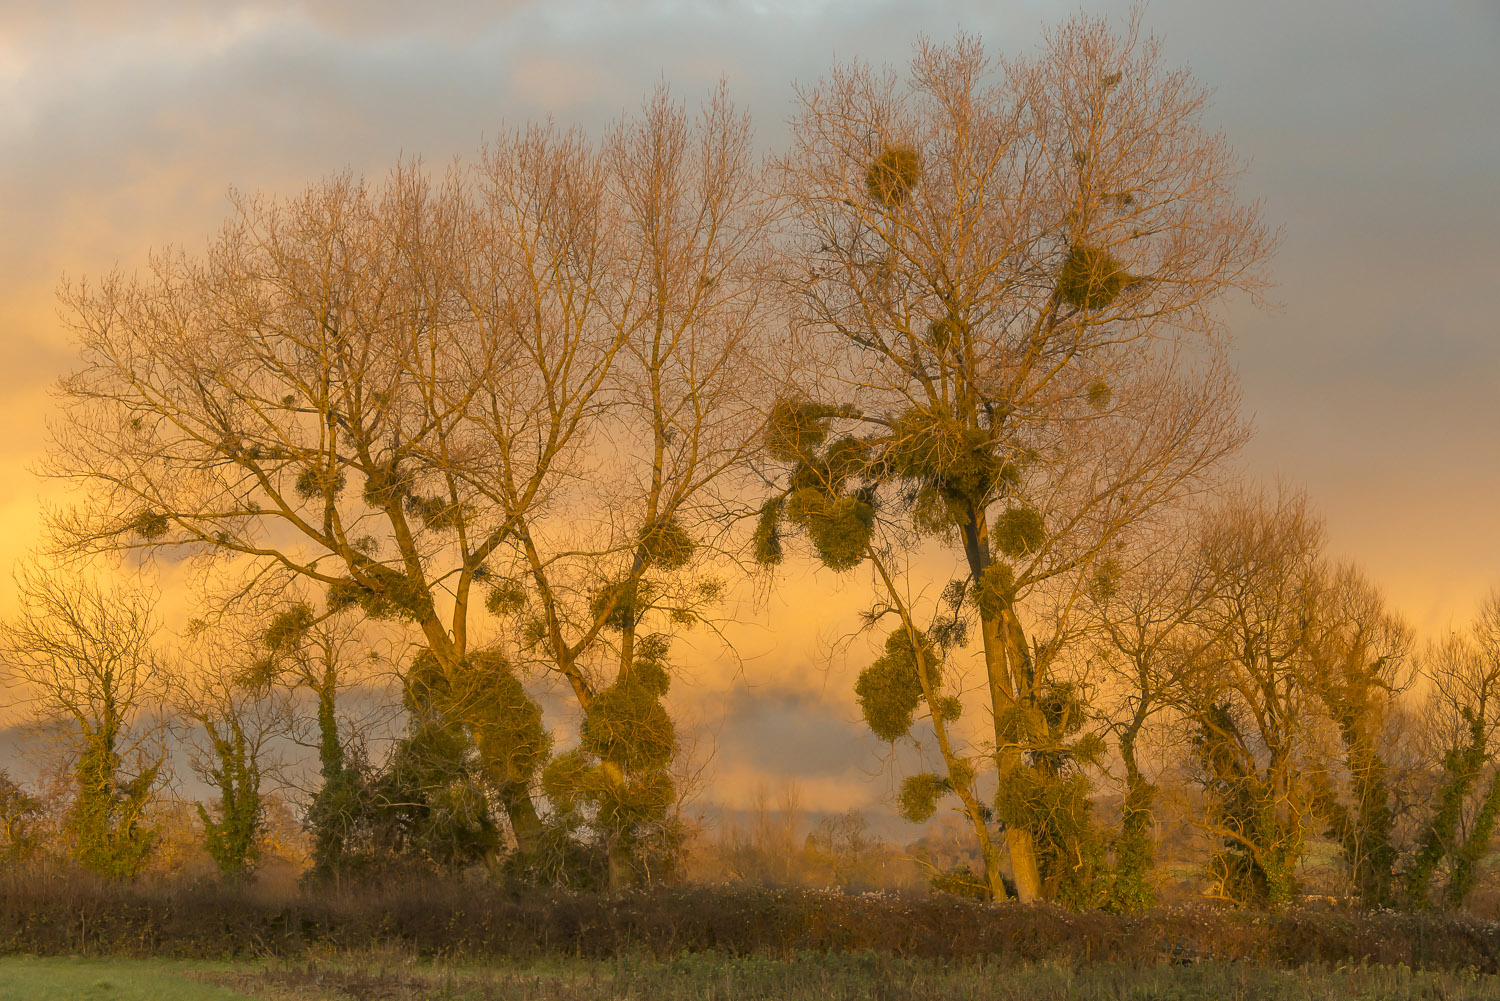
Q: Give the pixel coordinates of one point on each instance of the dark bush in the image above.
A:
(56, 915)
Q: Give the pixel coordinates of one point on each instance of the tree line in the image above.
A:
(520, 425)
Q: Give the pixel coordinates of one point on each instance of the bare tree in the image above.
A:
(83, 652)
(293, 402)
(1010, 273)
(1358, 665)
(1463, 715)
(233, 717)
(1250, 707)
(644, 336)
(1143, 644)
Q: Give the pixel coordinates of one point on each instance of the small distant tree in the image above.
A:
(1142, 640)
(844, 847)
(83, 651)
(1463, 712)
(1250, 709)
(1357, 660)
(20, 815)
(234, 715)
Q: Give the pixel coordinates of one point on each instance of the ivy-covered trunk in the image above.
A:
(105, 819)
(1259, 849)
(1135, 850)
(1365, 834)
(232, 840)
(1465, 869)
(998, 632)
(1461, 766)
(337, 801)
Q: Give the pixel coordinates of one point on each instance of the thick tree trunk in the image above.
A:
(998, 662)
(1023, 864)
(525, 822)
(621, 865)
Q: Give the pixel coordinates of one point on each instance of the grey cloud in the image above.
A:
(793, 734)
(804, 736)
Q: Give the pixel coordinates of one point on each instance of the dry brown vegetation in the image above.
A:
(479, 921)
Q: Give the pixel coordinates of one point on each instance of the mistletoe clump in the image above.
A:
(320, 481)
(893, 175)
(506, 598)
(919, 796)
(394, 596)
(798, 428)
(438, 514)
(1019, 531)
(838, 526)
(666, 544)
(766, 543)
(1091, 278)
(150, 525)
(890, 690)
(996, 589)
(624, 603)
(288, 629)
(821, 499)
(952, 468)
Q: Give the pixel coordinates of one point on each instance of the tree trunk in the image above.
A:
(1135, 857)
(1023, 864)
(1466, 860)
(525, 823)
(621, 865)
(1461, 767)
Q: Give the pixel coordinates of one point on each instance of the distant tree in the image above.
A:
(84, 653)
(1251, 710)
(233, 714)
(20, 814)
(1358, 664)
(1463, 711)
(1142, 642)
(1009, 283)
(844, 847)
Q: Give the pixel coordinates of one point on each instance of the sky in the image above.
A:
(1369, 126)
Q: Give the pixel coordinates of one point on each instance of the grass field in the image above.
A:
(28, 978)
(825, 977)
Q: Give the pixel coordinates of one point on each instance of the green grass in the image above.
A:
(26, 978)
(846, 977)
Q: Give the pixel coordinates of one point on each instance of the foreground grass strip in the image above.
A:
(823, 977)
(26, 978)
